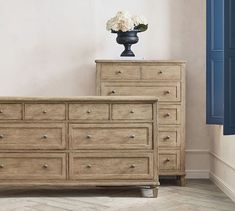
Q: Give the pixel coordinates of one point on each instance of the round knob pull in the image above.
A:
(113, 91)
(167, 115)
(1, 136)
(88, 111)
(132, 166)
(160, 72)
(1, 166)
(167, 92)
(45, 136)
(168, 159)
(167, 137)
(88, 166)
(88, 136)
(44, 112)
(1, 111)
(132, 112)
(119, 72)
(132, 136)
(45, 166)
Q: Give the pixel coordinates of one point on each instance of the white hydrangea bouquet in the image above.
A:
(124, 21)
(127, 26)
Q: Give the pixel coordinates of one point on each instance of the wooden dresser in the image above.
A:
(166, 81)
(78, 141)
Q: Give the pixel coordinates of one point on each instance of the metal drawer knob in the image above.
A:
(167, 115)
(88, 136)
(1, 136)
(1, 111)
(1, 166)
(132, 112)
(160, 72)
(168, 159)
(119, 72)
(132, 166)
(45, 166)
(44, 112)
(132, 136)
(167, 137)
(88, 111)
(88, 166)
(113, 91)
(45, 136)
(167, 92)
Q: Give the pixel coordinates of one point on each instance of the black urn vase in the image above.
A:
(127, 39)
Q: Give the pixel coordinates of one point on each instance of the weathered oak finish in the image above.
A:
(78, 141)
(166, 81)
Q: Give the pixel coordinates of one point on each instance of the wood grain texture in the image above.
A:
(55, 141)
(164, 79)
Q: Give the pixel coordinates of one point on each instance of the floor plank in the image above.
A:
(197, 195)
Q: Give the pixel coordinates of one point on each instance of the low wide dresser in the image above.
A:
(78, 141)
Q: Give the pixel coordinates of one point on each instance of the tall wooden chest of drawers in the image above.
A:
(166, 81)
(78, 141)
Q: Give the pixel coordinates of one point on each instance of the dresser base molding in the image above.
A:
(78, 142)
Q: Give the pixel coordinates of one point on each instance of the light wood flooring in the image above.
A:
(197, 195)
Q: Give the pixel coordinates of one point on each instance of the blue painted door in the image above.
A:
(215, 62)
(229, 67)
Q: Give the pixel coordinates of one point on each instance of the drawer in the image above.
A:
(169, 160)
(161, 73)
(111, 166)
(169, 114)
(120, 72)
(169, 136)
(89, 111)
(10, 111)
(163, 90)
(110, 136)
(32, 136)
(44, 111)
(28, 166)
(132, 111)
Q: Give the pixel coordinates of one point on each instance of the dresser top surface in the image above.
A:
(80, 98)
(138, 61)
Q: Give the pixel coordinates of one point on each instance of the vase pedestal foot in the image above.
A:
(128, 52)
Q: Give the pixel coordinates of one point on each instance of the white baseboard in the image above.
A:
(223, 186)
(197, 174)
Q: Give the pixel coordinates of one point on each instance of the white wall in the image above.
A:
(49, 47)
(223, 160)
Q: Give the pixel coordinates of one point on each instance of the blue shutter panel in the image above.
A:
(215, 62)
(229, 68)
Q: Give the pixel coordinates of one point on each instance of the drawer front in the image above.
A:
(120, 72)
(111, 166)
(89, 111)
(32, 136)
(110, 136)
(28, 166)
(132, 111)
(169, 136)
(169, 160)
(161, 73)
(169, 114)
(164, 91)
(44, 111)
(10, 111)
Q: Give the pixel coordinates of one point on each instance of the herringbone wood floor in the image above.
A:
(197, 195)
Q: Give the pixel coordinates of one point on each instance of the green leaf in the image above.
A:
(142, 27)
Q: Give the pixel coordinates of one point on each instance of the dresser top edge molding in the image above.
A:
(139, 61)
(81, 98)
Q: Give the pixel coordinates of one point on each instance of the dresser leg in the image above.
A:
(181, 180)
(155, 191)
